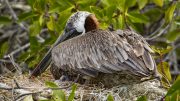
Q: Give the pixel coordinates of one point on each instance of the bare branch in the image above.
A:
(18, 50)
(15, 64)
(15, 16)
(162, 31)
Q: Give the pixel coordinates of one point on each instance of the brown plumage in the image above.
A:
(102, 51)
(102, 55)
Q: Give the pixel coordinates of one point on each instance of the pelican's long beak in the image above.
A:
(66, 35)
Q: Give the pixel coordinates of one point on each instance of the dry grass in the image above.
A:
(151, 89)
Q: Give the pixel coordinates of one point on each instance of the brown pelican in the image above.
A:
(91, 52)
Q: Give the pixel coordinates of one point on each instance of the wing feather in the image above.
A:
(105, 51)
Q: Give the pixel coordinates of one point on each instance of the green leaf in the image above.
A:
(175, 87)
(122, 6)
(175, 96)
(31, 2)
(59, 95)
(154, 14)
(110, 10)
(35, 28)
(84, 4)
(5, 20)
(142, 98)
(137, 18)
(50, 84)
(71, 96)
(96, 11)
(121, 22)
(162, 51)
(166, 50)
(50, 24)
(170, 12)
(133, 25)
(39, 6)
(26, 16)
(113, 2)
(142, 3)
(110, 98)
(164, 70)
(158, 2)
(41, 20)
(63, 17)
(59, 5)
(178, 78)
(129, 3)
(173, 35)
(34, 45)
(3, 48)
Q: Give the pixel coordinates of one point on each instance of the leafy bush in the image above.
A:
(157, 20)
(145, 17)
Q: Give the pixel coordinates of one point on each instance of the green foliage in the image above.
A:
(137, 17)
(35, 28)
(121, 14)
(142, 3)
(57, 95)
(71, 96)
(3, 48)
(158, 2)
(53, 14)
(5, 20)
(163, 67)
(174, 91)
(169, 13)
(60, 95)
(173, 35)
(51, 84)
(26, 16)
(142, 98)
(164, 70)
(162, 51)
(110, 98)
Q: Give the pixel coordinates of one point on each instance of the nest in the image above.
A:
(21, 84)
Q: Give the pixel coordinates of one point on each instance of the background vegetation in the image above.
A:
(29, 27)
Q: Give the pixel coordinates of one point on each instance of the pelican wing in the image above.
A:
(106, 52)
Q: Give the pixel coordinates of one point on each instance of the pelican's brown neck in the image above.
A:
(91, 23)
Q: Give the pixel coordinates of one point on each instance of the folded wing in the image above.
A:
(106, 52)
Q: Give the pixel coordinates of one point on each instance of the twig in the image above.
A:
(5, 87)
(16, 83)
(6, 35)
(5, 61)
(174, 48)
(175, 72)
(18, 50)
(22, 95)
(159, 34)
(11, 10)
(40, 39)
(17, 90)
(174, 59)
(15, 16)
(15, 64)
(21, 6)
